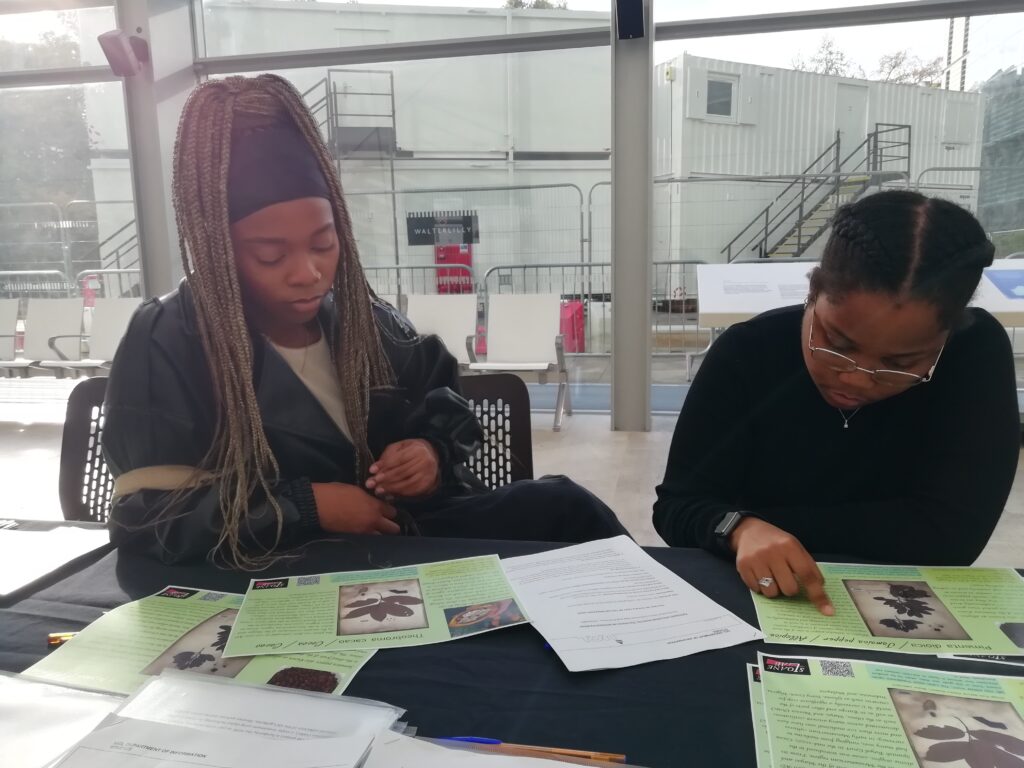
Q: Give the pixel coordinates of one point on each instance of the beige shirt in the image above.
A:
(315, 369)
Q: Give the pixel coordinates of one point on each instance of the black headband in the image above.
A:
(271, 164)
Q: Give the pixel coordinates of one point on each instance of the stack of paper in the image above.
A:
(29, 555)
(608, 604)
(179, 719)
(184, 629)
(904, 609)
(39, 721)
(389, 608)
(822, 711)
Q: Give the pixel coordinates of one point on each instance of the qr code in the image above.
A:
(212, 596)
(836, 668)
(306, 581)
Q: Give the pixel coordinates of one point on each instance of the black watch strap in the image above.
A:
(726, 525)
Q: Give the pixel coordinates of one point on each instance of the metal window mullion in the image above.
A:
(30, 78)
(632, 182)
(868, 15)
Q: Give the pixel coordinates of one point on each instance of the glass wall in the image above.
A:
(66, 201)
(477, 174)
(759, 138)
(230, 27)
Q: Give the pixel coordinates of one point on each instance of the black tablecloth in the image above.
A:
(692, 711)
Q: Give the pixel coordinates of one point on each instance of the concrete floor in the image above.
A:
(620, 467)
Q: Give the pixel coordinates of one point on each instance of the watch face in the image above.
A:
(728, 523)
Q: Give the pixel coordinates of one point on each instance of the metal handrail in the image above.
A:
(876, 154)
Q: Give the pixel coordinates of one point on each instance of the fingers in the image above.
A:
(406, 468)
(388, 526)
(783, 574)
(814, 584)
(749, 577)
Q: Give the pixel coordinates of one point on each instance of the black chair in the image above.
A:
(502, 403)
(86, 485)
(500, 400)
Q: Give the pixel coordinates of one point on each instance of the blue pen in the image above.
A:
(472, 739)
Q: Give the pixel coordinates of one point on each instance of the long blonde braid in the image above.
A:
(240, 456)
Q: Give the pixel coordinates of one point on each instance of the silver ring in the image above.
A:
(766, 581)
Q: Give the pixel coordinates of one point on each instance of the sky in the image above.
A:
(996, 42)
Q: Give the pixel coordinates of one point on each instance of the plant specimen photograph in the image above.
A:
(381, 606)
(907, 609)
(200, 649)
(960, 732)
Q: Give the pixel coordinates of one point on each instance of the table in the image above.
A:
(70, 566)
(692, 711)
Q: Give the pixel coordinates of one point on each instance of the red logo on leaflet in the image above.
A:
(177, 592)
(270, 584)
(786, 666)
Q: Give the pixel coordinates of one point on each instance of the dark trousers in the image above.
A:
(553, 508)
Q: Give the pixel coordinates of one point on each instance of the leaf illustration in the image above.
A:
(940, 732)
(222, 637)
(914, 608)
(361, 603)
(906, 591)
(361, 612)
(977, 754)
(397, 610)
(901, 625)
(402, 600)
(1004, 740)
(948, 752)
(378, 612)
(990, 723)
(189, 660)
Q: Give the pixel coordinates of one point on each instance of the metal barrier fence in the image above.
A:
(397, 282)
(674, 301)
(45, 236)
(35, 284)
(109, 283)
(523, 223)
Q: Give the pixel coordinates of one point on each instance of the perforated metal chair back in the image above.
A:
(502, 403)
(86, 485)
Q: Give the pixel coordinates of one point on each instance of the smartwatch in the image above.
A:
(726, 525)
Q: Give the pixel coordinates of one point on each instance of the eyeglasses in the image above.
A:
(837, 362)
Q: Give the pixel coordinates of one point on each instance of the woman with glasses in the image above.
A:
(877, 422)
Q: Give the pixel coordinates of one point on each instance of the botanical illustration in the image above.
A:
(470, 619)
(201, 648)
(907, 609)
(960, 732)
(381, 606)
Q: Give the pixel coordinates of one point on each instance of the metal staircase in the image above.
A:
(803, 211)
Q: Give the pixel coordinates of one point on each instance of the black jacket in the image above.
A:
(919, 478)
(160, 411)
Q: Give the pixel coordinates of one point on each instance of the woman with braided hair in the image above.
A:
(273, 398)
(877, 422)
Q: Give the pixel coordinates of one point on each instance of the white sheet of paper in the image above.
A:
(211, 704)
(607, 604)
(392, 750)
(39, 721)
(29, 555)
(129, 743)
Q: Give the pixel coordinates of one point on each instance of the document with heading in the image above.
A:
(142, 744)
(607, 604)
